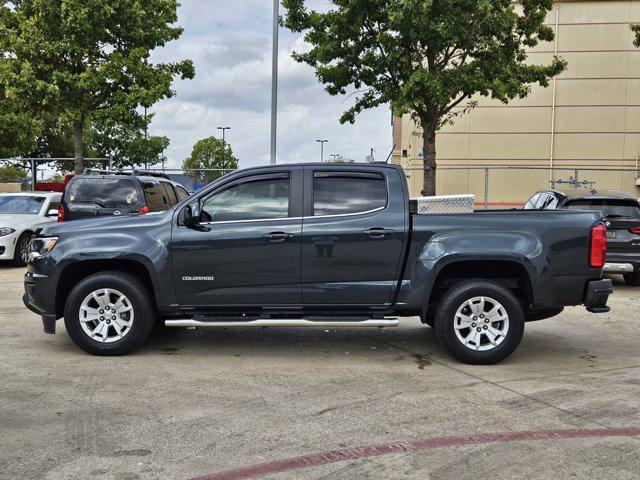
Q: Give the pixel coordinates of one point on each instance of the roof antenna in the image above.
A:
(390, 153)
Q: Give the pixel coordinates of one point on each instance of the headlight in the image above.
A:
(6, 231)
(41, 246)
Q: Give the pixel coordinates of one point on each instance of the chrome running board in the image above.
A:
(275, 322)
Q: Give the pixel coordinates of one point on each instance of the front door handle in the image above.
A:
(378, 232)
(278, 237)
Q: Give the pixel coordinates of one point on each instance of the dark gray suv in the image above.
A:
(621, 214)
(107, 193)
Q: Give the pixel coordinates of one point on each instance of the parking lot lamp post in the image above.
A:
(274, 82)
(224, 144)
(322, 142)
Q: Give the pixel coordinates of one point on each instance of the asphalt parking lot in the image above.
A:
(203, 403)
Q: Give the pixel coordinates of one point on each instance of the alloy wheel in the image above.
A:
(481, 323)
(106, 315)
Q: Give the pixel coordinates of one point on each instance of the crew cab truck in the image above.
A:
(316, 245)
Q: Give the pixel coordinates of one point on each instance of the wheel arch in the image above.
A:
(509, 273)
(72, 273)
(26, 230)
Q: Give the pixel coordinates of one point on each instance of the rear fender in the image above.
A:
(441, 251)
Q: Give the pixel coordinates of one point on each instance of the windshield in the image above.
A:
(105, 192)
(609, 208)
(20, 204)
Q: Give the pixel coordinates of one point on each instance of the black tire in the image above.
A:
(632, 279)
(21, 245)
(141, 301)
(455, 297)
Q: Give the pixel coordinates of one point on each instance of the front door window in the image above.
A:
(250, 200)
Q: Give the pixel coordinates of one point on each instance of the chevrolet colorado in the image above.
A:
(316, 245)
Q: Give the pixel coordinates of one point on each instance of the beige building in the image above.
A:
(589, 117)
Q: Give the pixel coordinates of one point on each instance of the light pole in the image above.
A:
(274, 82)
(334, 157)
(224, 145)
(322, 142)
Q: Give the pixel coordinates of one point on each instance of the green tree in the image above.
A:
(424, 57)
(636, 30)
(340, 159)
(18, 130)
(55, 178)
(126, 145)
(79, 58)
(211, 153)
(11, 173)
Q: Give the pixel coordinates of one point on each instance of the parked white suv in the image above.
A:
(21, 214)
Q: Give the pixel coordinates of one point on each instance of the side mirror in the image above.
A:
(191, 215)
(52, 213)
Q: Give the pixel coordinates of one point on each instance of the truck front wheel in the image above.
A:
(109, 313)
(479, 322)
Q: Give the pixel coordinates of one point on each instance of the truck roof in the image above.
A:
(345, 166)
(583, 193)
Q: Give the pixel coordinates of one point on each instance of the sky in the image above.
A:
(230, 45)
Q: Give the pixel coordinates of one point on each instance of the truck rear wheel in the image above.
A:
(479, 322)
(109, 313)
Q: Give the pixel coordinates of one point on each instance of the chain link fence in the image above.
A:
(505, 187)
(492, 186)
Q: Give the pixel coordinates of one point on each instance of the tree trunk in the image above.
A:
(429, 159)
(78, 145)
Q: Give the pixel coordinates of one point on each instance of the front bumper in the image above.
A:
(598, 292)
(39, 296)
(8, 246)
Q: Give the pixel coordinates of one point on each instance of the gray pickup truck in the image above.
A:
(316, 245)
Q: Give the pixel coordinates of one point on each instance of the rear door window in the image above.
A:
(610, 208)
(531, 204)
(337, 193)
(105, 192)
(53, 205)
(156, 196)
(182, 193)
(171, 195)
(542, 201)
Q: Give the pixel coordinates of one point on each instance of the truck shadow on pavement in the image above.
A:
(413, 342)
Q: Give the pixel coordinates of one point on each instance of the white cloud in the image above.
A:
(230, 44)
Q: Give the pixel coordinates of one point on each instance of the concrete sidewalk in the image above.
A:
(194, 403)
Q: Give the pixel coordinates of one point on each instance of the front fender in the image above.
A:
(145, 249)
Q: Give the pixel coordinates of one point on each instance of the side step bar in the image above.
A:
(275, 322)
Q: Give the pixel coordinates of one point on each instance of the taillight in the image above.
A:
(144, 210)
(60, 213)
(598, 253)
(635, 230)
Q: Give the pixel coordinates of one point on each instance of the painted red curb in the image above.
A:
(324, 458)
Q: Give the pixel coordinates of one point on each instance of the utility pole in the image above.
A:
(224, 145)
(146, 137)
(274, 82)
(322, 142)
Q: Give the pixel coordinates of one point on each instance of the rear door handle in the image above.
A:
(278, 237)
(378, 232)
